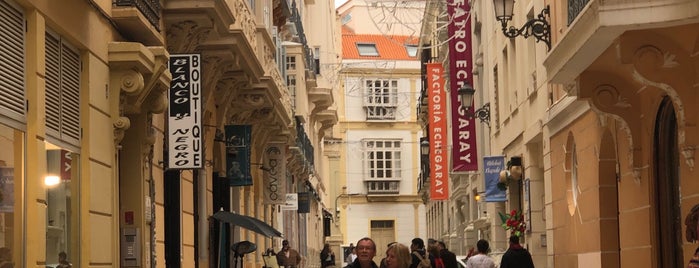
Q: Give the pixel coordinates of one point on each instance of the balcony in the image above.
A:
(593, 26)
(140, 20)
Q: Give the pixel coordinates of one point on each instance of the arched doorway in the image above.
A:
(666, 185)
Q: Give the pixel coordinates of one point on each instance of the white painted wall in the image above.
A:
(359, 216)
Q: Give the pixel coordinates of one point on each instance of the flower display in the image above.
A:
(514, 222)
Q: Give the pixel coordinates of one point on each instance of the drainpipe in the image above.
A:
(203, 218)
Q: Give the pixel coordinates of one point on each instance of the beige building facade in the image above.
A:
(603, 126)
(84, 124)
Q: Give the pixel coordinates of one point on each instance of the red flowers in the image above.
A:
(513, 222)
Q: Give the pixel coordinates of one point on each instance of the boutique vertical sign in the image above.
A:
(437, 114)
(464, 153)
(184, 113)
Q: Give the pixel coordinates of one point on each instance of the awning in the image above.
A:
(247, 222)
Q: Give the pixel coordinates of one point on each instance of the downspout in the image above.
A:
(203, 217)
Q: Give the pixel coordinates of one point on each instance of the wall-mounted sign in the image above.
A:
(185, 150)
(238, 154)
(291, 202)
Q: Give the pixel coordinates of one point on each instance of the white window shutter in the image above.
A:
(53, 85)
(12, 97)
(70, 94)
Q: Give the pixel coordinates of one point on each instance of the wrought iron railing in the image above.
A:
(149, 8)
(574, 9)
(296, 19)
(303, 142)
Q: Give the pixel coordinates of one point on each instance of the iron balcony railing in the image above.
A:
(574, 9)
(149, 8)
(303, 142)
(296, 19)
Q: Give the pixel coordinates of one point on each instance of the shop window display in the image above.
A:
(11, 142)
(61, 211)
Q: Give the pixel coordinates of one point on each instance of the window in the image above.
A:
(291, 85)
(345, 19)
(382, 166)
(291, 63)
(412, 50)
(367, 50)
(12, 99)
(380, 100)
(61, 184)
(62, 90)
(11, 190)
(316, 58)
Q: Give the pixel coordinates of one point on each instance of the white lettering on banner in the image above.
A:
(273, 178)
(463, 136)
(184, 113)
(437, 132)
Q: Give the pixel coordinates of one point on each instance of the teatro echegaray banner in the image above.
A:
(464, 152)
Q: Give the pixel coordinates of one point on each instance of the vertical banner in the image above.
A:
(304, 202)
(437, 114)
(238, 154)
(464, 153)
(492, 165)
(185, 150)
(274, 162)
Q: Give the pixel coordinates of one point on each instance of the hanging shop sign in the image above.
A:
(274, 175)
(185, 150)
(492, 165)
(238, 154)
(304, 202)
(464, 153)
(291, 202)
(438, 133)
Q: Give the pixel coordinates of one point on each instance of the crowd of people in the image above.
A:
(433, 255)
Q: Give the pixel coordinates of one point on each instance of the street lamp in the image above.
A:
(466, 93)
(537, 27)
(424, 148)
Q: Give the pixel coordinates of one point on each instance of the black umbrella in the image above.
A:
(247, 222)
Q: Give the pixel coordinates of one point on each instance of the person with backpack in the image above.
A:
(436, 260)
(448, 257)
(420, 258)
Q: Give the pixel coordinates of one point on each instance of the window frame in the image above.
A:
(367, 50)
(382, 165)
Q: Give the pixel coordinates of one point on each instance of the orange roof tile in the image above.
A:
(390, 47)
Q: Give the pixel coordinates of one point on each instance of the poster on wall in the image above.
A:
(7, 189)
(492, 165)
(185, 150)
(238, 154)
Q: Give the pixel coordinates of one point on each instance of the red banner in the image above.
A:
(464, 153)
(437, 114)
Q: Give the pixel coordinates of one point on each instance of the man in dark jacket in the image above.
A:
(366, 251)
(516, 256)
(448, 257)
